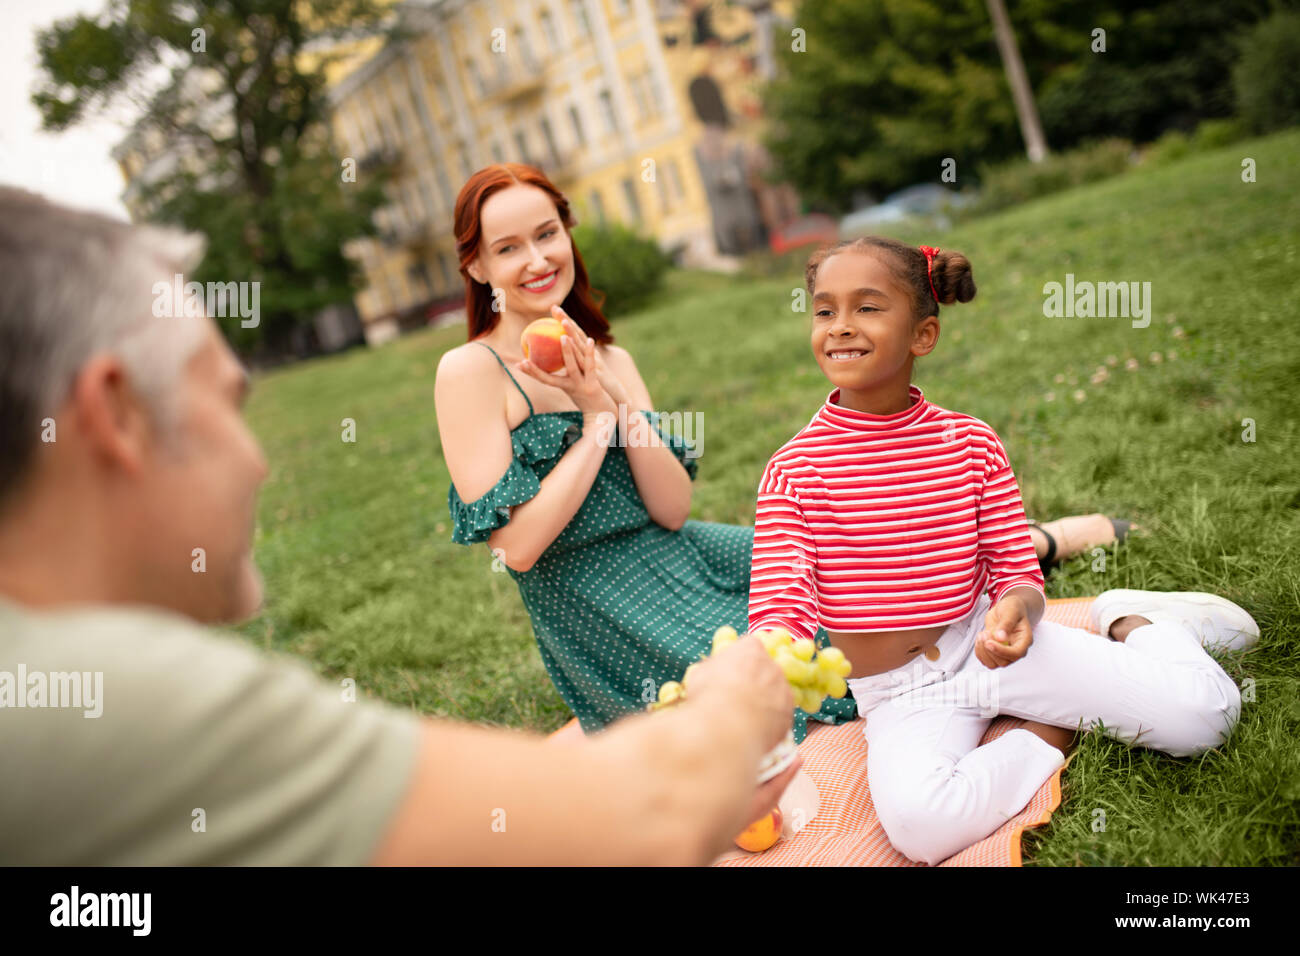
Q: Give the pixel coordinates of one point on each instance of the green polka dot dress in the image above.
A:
(619, 604)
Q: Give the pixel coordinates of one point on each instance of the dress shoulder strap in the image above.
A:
(512, 378)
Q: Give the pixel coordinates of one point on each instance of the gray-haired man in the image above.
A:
(131, 734)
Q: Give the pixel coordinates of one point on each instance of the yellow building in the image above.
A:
(642, 112)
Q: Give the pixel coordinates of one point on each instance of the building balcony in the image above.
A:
(564, 166)
(386, 157)
(415, 236)
(515, 82)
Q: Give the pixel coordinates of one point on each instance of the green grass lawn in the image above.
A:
(363, 580)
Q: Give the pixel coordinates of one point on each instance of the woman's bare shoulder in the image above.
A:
(466, 359)
(617, 356)
(468, 376)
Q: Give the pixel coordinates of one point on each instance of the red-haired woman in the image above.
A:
(623, 590)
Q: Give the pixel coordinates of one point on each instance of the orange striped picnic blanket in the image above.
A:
(845, 831)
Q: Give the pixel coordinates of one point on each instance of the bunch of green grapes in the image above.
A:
(813, 676)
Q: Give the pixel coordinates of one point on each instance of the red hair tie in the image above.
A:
(930, 252)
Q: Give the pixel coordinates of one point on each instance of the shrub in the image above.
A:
(1211, 134)
(1010, 183)
(1266, 79)
(1175, 144)
(628, 268)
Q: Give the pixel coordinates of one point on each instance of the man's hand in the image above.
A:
(749, 680)
(769, 794)
(1006, 635)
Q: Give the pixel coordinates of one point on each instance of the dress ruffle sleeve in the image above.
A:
(681, 448)
(539, 439)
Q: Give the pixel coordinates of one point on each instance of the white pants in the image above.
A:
(937, 791)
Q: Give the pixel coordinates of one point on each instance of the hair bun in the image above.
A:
(952, 278)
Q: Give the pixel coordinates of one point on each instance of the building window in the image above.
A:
(638, 95)
(521, 144)
(446, 272)
(579, 10)
(420, 211)
(579, 137)
(598, 206)
(657, 102)
(418, 277)
(665, 201)
(426, 195)
(444, 185)
(623, 7)
(497, 154)
(476, 76)
(633, 205)
(394, 138)
(462, 154)
(675, 180)
(376, 137)
(396, 221)
(417, 95)
(525, 49)
(607, 112)
(548, 30)
(547, 135)
(359, 138)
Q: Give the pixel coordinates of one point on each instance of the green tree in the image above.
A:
(236, 89)
(884, 91)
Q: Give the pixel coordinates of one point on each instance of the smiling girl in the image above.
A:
(897, 526)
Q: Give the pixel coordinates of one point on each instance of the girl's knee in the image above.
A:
(923, 825)
(1209, 717)
(921, 837)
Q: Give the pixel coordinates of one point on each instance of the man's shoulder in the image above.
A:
(137, 639)
(187, 718)
(160, 675)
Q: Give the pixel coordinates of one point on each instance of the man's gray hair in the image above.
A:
(73, 285)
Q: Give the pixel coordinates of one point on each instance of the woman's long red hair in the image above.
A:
(479, 317)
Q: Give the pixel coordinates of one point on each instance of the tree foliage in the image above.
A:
(884, 91)
(236, 90)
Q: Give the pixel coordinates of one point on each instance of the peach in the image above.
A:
(541, 344)
(762, 833)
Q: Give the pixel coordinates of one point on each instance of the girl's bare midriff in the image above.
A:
(874, 652)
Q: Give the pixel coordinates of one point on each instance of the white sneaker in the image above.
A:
(1217, 622)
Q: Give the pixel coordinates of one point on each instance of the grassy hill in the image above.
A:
(354, 539)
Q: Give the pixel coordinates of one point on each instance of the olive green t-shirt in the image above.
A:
(172, 744)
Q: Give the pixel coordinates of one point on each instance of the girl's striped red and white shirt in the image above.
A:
(886, 522)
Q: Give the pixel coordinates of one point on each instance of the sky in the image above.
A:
(73, 167)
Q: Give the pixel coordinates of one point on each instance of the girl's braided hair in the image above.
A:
(951, 272)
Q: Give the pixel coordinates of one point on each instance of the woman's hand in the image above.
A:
(1006, 635)
(609, 381)
(580, 377)
(612, 383)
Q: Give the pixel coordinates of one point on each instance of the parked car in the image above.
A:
(807, 230)
(921, 201)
